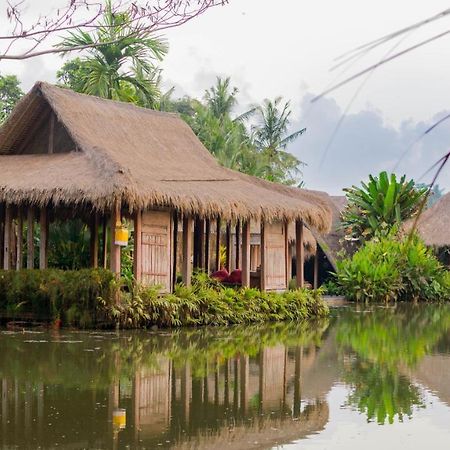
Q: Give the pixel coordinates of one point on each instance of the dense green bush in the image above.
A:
(71, 296)
(208, 302)
(94, 297)
(394, 269)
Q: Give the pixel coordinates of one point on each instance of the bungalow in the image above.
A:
(65, 155)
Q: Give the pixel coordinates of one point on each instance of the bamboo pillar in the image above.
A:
(187, 250)
(105, 242)
(175, 249)
(238, 244)
(316, 269)
(201, 243)
(228, 247)
(19, 241)
(114, 249)
(263, 257)
(218, 227)
(300, 253)
(7, 238)
(137, 254)
(246, 254)
(286, 253)
(2, 232)
(43, 246)
(94, 240)
(207, 258)
(30, 238)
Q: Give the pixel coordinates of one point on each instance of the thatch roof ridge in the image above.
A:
(433, 224)
(144, 158)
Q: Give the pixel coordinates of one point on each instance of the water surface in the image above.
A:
(365, 378)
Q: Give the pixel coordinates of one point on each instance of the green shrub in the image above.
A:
(208, 302)
(89, 297)
(50, 294)
(394, 269)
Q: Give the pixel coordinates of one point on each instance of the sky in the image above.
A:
(287, 47)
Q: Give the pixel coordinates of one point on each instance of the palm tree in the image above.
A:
(271, 139)
(124, 68)
(221, 99)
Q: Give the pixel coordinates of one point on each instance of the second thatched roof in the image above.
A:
(112, 151)
(433, 224)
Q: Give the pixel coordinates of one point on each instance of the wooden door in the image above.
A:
(274, 257)
(156, 249)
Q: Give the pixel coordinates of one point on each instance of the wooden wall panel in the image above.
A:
(156, 249)
(274, 257)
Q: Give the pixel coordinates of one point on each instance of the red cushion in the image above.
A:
(235, 277)
(220, 275)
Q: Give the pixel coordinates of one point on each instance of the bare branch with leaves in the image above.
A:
(29, 36)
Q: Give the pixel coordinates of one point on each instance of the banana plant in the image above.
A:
(379, 207)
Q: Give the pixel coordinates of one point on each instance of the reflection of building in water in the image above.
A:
(231, 400)
(151, 398)
(176, 404)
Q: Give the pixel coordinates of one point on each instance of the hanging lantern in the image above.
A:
(121, 235)
(120, 418)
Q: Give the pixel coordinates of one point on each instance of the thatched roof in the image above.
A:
(141, 157)
(331, 242)
(433, 225)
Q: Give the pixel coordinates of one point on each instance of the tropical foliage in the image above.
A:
(10, 94)
(253, 142)
(394, 269)
(95, 297)
(124, 68)
(378, 207)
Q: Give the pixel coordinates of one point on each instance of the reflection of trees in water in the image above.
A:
(384, 343)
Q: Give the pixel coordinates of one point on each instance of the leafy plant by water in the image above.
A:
(394, 269)
(89, 298)
(377, 208)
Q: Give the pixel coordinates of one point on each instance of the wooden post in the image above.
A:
(286, 253)
(316, 269)
(30, 238)
(198, 243)
(19, 242)
(2, 232)
(300, 274)
(175, 249)
(263, 257)
(228, 247)
(246, 254)
(94, 240)
(7, 238)
(201, 244)
(238, 244)
(137, 254)
(105, 242)
(43, 221)
(218, 227)
(114, 249)
(51, 134)
(187, 250)
(207, 258)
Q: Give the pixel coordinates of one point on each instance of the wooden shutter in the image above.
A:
(275, 257)
(156, 249)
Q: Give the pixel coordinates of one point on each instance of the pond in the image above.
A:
(365, 377)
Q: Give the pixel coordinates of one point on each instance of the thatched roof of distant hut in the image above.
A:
(332, 243)
(117, 151)
(433, 224)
